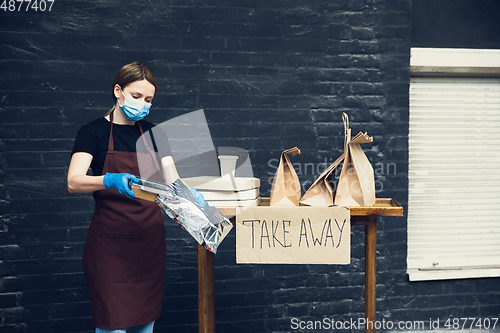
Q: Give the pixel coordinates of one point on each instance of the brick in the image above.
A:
(60, 311)
(30, 298)
(39, 145)
(8, 300)
(13, 315)
(38, 312)
(25, 159)
(242, 44)
(68, 324)
(179, 320)
(38, 326)
(9, 328)
(400, 18)
(242, 326)
(397, 46)
(489, 311)
(391, 32)
(362, 33)
(245, 313)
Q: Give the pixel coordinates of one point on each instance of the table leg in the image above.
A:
(370, 272)
(206, 284)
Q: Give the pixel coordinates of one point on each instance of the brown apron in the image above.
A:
(124, 259)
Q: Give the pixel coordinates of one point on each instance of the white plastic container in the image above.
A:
(169, 170)
(227, 165)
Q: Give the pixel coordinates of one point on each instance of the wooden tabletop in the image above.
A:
(382, 207)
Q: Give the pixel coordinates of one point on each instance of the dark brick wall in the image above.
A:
(456, 24)
(270, 75)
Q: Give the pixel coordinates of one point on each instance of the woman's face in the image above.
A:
(140, 90)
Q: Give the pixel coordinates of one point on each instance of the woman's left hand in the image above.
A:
(199, 197)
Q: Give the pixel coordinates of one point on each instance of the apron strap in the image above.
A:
(151, 152)
(111, 143)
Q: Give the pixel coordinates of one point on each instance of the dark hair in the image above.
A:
(132, 72)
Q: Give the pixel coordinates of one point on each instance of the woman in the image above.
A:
(125, 251)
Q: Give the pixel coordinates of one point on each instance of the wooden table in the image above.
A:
(366, 216)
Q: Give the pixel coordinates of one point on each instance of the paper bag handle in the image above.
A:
(293, 150)
(345, 119)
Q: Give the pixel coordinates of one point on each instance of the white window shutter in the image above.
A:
(454, 178)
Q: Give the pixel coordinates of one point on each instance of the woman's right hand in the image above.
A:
(80, 182)
(121, 182)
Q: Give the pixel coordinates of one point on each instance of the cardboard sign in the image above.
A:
(293, 235)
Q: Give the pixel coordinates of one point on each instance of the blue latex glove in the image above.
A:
(199, 197)
(122, 182)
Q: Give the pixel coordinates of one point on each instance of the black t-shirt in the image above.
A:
(93, 138)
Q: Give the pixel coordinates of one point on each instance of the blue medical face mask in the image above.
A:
(133, 109)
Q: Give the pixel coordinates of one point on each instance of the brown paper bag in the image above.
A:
(285, 190)
(356, 185)
(322, 191)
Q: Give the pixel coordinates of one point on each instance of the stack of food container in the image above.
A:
(227, 190)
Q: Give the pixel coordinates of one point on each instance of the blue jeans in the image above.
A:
(146, 328)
